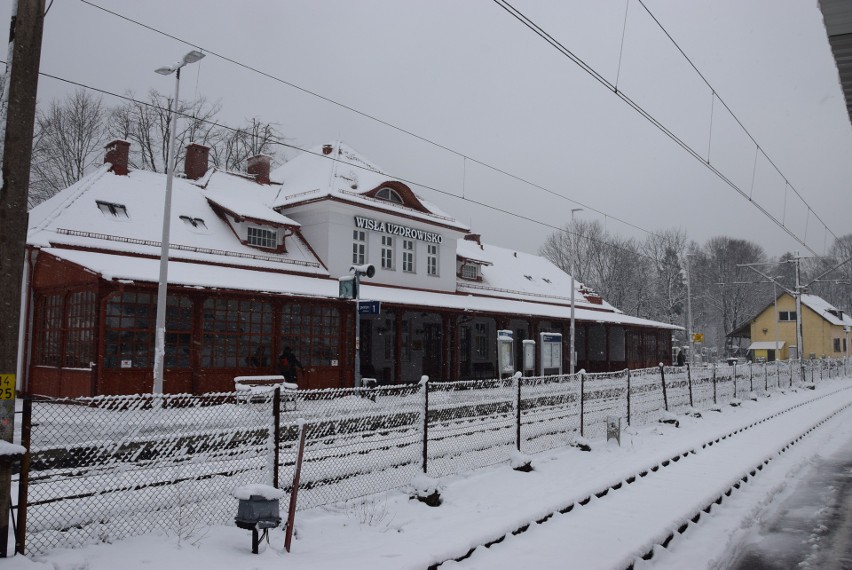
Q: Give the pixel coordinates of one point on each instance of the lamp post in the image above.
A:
(573, 357)
(359, 271)
(160, 327)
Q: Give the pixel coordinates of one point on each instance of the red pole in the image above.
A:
(291, 515)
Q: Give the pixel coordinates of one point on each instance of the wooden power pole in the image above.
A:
(25, 39)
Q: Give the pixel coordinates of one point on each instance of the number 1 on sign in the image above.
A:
(7, 386)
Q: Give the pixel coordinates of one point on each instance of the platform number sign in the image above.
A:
(7, 386)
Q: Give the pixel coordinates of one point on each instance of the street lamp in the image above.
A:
(160, 328)
(573, 359)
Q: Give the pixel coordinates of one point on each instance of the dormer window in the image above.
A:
(112, 209)
(390, 195)
(262, 237)
(469, 271)
(196, 223)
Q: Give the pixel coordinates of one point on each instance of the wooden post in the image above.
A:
(582, 401)
(714, 384)
(663, 381)
(291, 513)
(426, 427)
(628, 396)
(276, 435)
(518, 413)
(689, 381)
(24, 482)
(19, 107)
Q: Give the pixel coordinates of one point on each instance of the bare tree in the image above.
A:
(668, 296)
(147, 125)
(68, 143)
(234, 146)
(735, 293)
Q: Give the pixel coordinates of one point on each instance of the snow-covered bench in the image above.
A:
(254, 388)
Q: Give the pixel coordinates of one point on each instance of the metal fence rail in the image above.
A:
(102, 469)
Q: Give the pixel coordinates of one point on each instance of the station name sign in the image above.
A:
(397, 230)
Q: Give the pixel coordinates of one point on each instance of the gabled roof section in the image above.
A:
(245, 199)
(338, 171)
(518, 275)
(827, 311)
(74, 219)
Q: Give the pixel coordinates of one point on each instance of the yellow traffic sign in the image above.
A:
(7, 386)
(697, 337)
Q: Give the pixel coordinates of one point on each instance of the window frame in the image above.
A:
(388, 251)
(113, 209)
(432, 253)
(234, 331)
(359, 247)
(265, 238)
(390, 195)
(409, 259)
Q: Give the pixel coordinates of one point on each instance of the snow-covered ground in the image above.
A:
(392, 531)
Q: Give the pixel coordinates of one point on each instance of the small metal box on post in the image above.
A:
(258, 510)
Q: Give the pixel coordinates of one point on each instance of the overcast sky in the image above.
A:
(471, 78)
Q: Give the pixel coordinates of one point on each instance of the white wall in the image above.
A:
(328, 227)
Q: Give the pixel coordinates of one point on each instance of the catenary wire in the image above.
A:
(586, 67)
(374, 118)
(526, 21)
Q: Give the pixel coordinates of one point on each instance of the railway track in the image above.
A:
(649, 509)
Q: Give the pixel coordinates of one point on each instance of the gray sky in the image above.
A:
(470, 77)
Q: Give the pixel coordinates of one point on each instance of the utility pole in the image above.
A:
(689, 312)
(25, 39)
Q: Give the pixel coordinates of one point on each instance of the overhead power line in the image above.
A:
(535, 28)
(369, 116)
(282, 143)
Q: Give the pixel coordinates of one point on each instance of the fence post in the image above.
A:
(582, 401)
(735, 379)
(628, 396)
(663, 380)
(765, 378)
(689, 381)
(24, 479)
(276, 435)
(750, 377)
(714, 384)
(425, 424)
(518, 412)
(291, 512)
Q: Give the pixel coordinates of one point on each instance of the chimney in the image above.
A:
(326, 149)
(258, 166)
(195, 165)
(117, 154)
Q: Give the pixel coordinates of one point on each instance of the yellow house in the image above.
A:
(825, 330)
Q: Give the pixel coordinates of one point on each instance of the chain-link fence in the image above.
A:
(101, 469)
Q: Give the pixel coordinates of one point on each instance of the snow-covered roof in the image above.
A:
(826, 310)
(80, 217)
(767, 345)
(518, 275)
(146, 270)
(343, 173)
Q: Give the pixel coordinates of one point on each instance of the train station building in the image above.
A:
(255, 264)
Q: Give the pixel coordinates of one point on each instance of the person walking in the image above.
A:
(287, 364)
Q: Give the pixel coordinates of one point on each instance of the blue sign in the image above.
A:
(369, 307)
(551, 337)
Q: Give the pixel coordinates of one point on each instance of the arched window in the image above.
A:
(390, 195)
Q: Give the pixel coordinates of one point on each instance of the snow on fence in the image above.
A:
(105, 468)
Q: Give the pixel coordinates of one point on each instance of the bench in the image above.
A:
(257, 388)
